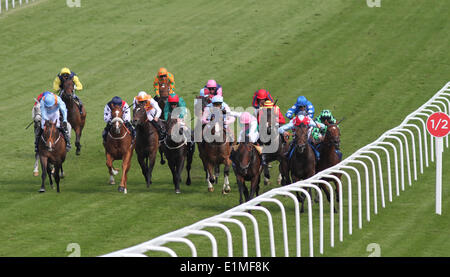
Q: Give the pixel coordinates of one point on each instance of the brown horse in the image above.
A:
(118, 145)
(52, 151)
(277, 143)
(177, 148)
(216, 152)
(147, 142)
(301, 161)
(247, 167)
(74, 117)
(164, 89)
(328, 155)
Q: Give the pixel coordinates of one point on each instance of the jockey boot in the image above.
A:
(263, 160)
(36, 139)
(65, 133)
(80, 104)
(131, 128)
(291, 146)
(105, 131)
(162, 134)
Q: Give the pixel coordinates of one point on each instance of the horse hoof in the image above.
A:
(120, 189)
(125, 191)
(35, 173)
(211, 189)
(177, 191)
(266, 181)
(163, 162)
(188, 182)
(77, 153)
(41, 190)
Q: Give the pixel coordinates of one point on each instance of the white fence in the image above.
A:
(11, 4)
(394, 141)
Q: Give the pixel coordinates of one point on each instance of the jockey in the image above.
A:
(174, 101)
(279, 119)
(259, 97)
(299, 119)
(153, 111)
(318, 135)
(51, 107)
(107, 117)
(217, 103)
(249, 129)
(65, 74)
(211, 89)
(301, 107)
(163, 74)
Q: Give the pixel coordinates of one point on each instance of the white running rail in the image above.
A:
(400, 141)
(11, 4)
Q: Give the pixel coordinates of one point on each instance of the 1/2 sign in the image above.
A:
(438, 124)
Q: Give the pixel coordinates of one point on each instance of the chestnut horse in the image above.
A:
(247, 167)
(328, 155)
(216, 152)
(119, 145)
(177, 148)
(74, 117)
(147, 142)
(52, 150)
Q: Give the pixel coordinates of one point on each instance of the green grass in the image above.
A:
(372, 66)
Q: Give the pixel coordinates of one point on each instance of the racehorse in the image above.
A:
(177, 151)
(279, 142)
(147, 142)
(164, 89)
(74, 117)
(302, 161)
(247, 167)
(52, 150)
(214, 153)
(119, 145)
(328, 155)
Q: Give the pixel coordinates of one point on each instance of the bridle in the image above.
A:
(50, 138)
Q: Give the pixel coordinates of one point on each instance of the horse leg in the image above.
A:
(62, 173)
(78, 132)
(179, 172)
(50, 171)
(126, 164)
(44, 172)
(210, 179)
(162, 156)
(57, 178)
(226, 172)
(36, 165)
(109, 164)
(190, 155)
(151, 164)
(216, 174)
(266, 175)
(143, 163)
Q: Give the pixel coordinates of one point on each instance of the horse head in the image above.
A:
(333, 136)
(50, 135)
(164, 87)
(301, 137)
(117, 120)
(67, 88)
(139, 114)
(245, 155)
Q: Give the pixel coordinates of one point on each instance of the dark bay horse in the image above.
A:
(247, 167)
(302, 161)
(118, 145)
(328, 155)
(277, 143)
(52, 151)
(177, 148)
(215, 153)
(74, 117)
(147, 142)
(164, 89)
